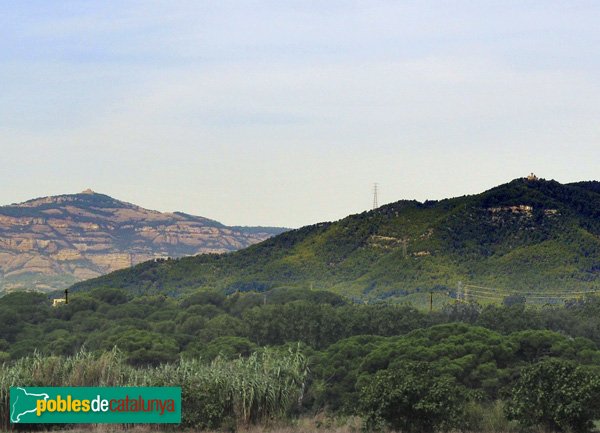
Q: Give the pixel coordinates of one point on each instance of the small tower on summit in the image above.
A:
(88, 191)
(532, 177)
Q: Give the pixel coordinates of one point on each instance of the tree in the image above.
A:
(556, 394)
(515, 299)
(227, 348)
(462, 312)
(412, 398)
(110, 296)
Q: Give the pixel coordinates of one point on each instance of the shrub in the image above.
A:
(557, 395)
(412, 398)
(488, 417)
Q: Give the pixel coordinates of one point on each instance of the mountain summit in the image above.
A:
(529, 235)
(52, 242)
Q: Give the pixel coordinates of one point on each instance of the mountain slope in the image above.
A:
(526, 235)
(52, 242)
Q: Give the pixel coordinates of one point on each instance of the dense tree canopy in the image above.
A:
(484, 351)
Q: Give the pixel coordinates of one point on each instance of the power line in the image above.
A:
(529, 295)
(473, 291)
(476, 295)
(535, 294)
(474, 288)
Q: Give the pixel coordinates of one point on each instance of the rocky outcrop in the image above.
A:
(51, 242)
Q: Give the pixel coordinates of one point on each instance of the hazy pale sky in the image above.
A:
(286, 112)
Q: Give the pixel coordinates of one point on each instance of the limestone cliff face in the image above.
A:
(52, 242)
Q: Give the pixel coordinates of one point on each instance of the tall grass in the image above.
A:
(265, 386)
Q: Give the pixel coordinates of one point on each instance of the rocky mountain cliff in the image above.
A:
(49, 243)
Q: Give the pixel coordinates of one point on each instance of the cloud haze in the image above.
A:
(285, 113)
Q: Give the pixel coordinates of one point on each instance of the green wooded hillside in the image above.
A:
(525, 236)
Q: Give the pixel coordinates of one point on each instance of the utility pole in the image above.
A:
(430, 302)
(66, 296)
(375, 204)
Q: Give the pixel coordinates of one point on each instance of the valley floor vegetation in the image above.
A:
(263, 359)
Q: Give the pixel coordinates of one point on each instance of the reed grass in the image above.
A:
(264, 387)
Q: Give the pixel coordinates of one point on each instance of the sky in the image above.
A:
(286, 113)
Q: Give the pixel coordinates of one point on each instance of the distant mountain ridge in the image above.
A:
(51, 242)
(527, 235)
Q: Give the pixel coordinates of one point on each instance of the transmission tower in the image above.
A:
(375, 205)
(404, 246)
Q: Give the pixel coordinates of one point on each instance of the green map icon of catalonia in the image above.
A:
(23, 402)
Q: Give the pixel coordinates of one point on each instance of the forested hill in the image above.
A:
(528, 235)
